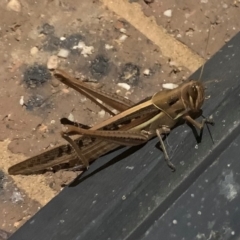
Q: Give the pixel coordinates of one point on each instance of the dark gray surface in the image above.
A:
(138, 197)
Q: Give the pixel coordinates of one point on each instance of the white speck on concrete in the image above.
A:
(174, 221)
(130, 168)
(182, 163)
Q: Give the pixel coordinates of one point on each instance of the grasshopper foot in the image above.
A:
(171, 165)
(209, 120)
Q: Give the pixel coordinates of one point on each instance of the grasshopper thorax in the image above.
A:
(192, 95)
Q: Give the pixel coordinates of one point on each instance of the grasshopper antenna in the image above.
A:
(209, 121)
(205, 51)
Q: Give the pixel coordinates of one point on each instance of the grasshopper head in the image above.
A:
(193, 95)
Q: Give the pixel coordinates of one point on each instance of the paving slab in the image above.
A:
(190, 21)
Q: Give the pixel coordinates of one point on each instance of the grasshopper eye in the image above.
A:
(196, 96)
(192, 95)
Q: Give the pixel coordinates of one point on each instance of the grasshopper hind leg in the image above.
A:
(165, 130)
(77, 149)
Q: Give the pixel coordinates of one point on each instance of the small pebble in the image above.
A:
(63, 53)
(123, 197)
(173, 64)
(62, 38)
(86, 50)
(107, 46)
(83, 100)
(14, 5)
(115, 111)
(34, 50)
(123, 30)
(169, 85)
(16, 224)
(101, 114)
(16, 197)
(43, 128)
(124, 85)
(168, 13)
(55, 82)
(65, 90)
(52, 62)
(146, 72)
(81, 45)
(71, 117)
(21, 101)
(174, 221)
(123, 38)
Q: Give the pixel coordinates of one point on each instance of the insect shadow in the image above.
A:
(89, 173)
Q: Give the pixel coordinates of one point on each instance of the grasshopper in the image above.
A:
(135, 124)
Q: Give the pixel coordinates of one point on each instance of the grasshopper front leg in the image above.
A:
(196, 124)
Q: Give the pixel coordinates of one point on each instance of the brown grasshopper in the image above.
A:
(134, 125)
